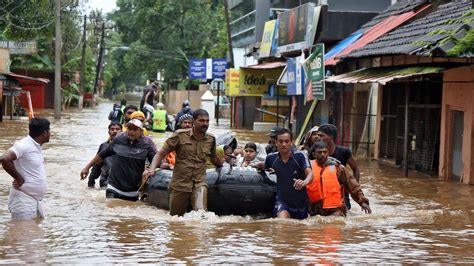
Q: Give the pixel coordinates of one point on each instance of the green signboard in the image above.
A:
(314, 69)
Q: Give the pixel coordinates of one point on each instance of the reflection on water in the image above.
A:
(415, 219)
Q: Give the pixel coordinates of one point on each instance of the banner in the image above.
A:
(267, 38)
(232, 80)
(314, 67)
(295, 76)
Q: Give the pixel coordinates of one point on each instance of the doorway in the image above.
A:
(458, 128)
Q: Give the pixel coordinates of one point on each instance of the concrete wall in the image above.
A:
(458, 95)
(175, 99)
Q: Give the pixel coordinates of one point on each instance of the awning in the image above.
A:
(384, 75)
(270, 65)
(21, 77)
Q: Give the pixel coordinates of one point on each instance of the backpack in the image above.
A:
(116, 114)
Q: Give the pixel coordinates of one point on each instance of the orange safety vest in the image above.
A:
(325, 188)
(171, 158)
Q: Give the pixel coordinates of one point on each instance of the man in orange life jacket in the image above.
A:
(330, 180)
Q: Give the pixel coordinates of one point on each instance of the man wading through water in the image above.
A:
(129, 153)
(189, 182)
(25, 163)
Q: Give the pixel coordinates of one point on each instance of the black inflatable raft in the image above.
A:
(239, 191)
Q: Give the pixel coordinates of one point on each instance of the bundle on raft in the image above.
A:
(237, 190)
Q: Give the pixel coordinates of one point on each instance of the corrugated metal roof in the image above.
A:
(384, 75)
(423, 35)
(376, 31)
(41, 80)
(269, 65)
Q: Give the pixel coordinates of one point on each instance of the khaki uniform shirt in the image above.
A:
(191, 155)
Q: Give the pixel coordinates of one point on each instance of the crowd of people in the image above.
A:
(311, 179)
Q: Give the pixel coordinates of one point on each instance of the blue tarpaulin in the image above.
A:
(342, 45)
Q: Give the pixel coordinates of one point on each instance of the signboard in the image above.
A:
(219, 66)
(4, 61)
(207, 68)
(314, 67)
(197, 69)
(297, 28)
(256, 82)
(267, 39)
(232, 80)
(20, 47)
(295, 75)
(217, 84)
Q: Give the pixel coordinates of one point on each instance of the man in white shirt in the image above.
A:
(25, 163)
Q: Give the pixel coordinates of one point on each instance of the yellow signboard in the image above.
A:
(256, 82)
(232, 82)
(267, 38)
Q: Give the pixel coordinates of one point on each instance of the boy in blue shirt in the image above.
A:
(293, 173)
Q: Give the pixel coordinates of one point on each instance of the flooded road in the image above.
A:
(415, 219)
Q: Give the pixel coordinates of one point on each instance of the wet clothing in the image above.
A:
(191, 155)
(285, 172)
(347, 183)
(113, 194)
(25, 202)
(101, 170)
(343, 155)
(301, 213)
(179, 200)
(128, 163)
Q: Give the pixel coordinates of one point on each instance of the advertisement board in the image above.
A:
(295, 75)
(297, 28)
(314, 67)
(232, 80)
(267, 39)
(256, 82)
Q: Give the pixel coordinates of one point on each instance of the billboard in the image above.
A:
(297, 28)
(267, 38)
(210, 68)
(256, 82)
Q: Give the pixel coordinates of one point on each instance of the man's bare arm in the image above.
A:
(7, 162)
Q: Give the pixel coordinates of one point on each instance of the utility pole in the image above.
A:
(83, 64)
(57, 62)
(99, 60)
(229, 37)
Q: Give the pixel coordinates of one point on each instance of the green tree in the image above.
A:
(165, 34)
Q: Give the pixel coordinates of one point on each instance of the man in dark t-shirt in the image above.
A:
(328, 133)
(129, 153)
(293, 173)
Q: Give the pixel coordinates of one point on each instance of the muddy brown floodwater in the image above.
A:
(415, 219)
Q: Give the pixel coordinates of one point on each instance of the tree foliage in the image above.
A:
(165, 34)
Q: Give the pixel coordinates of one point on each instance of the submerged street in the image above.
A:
(414, 219)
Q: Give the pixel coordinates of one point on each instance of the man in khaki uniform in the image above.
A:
(189, 182)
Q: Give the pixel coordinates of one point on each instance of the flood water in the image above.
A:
(415, 219)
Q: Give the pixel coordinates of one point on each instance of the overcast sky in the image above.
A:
(105, 5)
